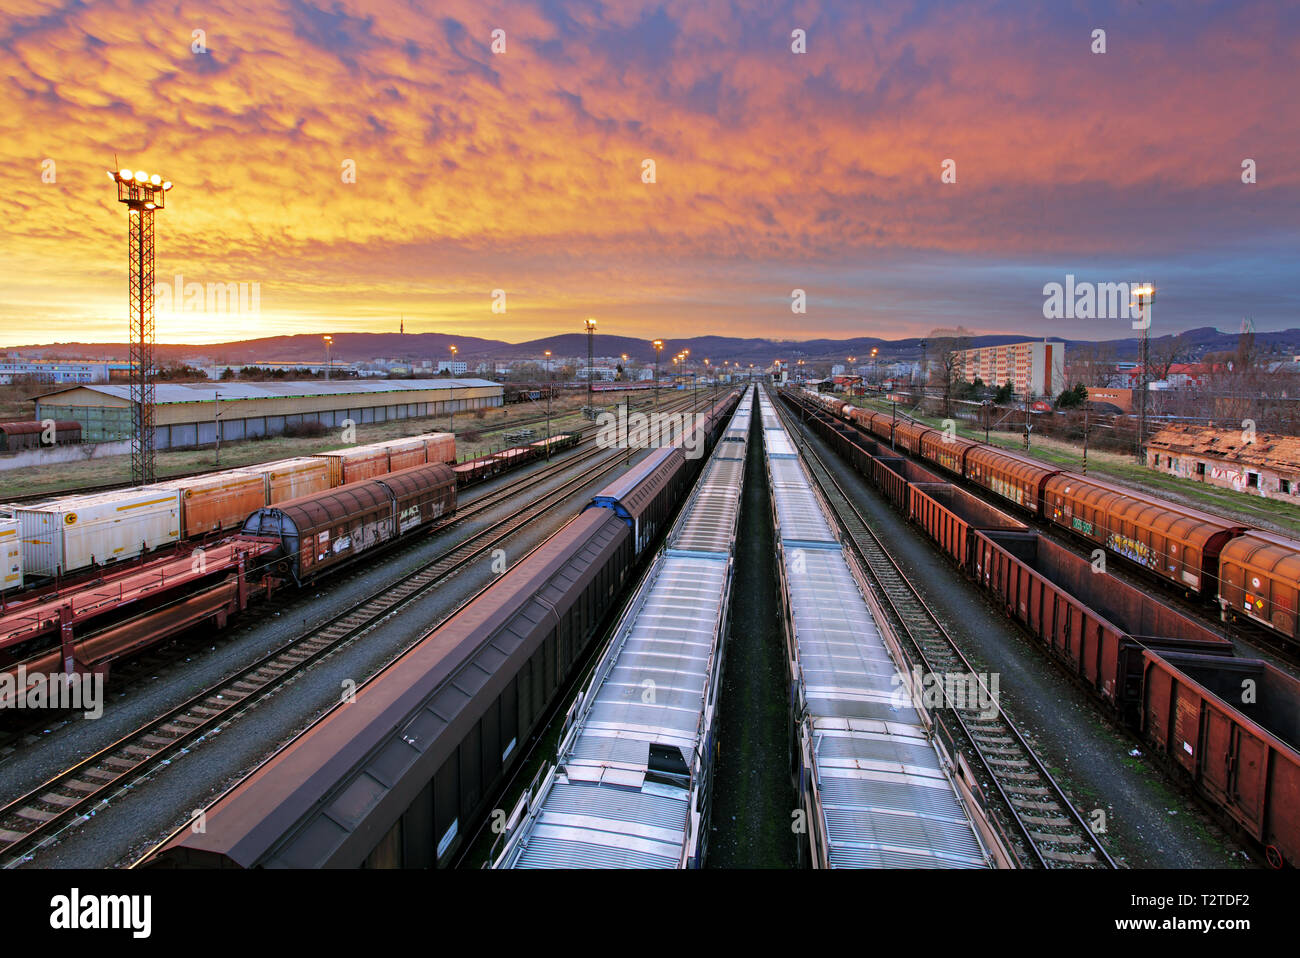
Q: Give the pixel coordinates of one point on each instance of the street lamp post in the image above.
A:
(1087, 406)
(329, 356)
(548, 404)
(451, 368)
(217, 422)
(659, 348)
(591, 389)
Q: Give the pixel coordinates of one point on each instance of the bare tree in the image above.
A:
(1167, 352)
(949, 346)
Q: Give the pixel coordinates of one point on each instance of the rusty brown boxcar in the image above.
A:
(328, 529)
(1231, 727)
(1175, 542)
(1259, 577)
(1093, 623)
(883, 426)
(946, 451)
(907, 436)
(403, 776)
(31, 435)
(1017, 479)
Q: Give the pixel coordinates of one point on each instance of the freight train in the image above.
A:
(401, 780)
(1249, 574)
(1228, 727)
(68, 535)
(291, 542)
(631, 786)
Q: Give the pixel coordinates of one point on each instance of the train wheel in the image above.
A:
(1274, 857)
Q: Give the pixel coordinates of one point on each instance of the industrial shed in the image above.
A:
(1263, 464)
(188, 414)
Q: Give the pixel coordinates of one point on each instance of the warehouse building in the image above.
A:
(1262, 464)
(189, 414)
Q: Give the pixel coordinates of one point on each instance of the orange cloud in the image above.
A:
(522, 171)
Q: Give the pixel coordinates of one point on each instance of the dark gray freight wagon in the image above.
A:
(398, 777)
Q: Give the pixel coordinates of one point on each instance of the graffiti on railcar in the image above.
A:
(1131, 548)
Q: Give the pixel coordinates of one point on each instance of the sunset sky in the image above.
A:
(522, 170)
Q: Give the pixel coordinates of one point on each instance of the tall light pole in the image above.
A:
(451, 368)
(590, 326)
(142, 194)
(217, 422)
(1087, 407)
(548, 403)
(1144, 295)
(659, 348)
(329, 357)
(875, 367)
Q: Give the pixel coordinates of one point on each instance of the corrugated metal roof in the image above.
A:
(885, 798)
(624, 791)
(604, 802)
(169, 393)
(1269, 450)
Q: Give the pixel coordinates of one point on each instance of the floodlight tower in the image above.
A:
(1143, 296)
(659, 348)
(590, 326)
(142, 194)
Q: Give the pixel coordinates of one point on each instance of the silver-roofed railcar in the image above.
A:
(873, 785)
(631, 787)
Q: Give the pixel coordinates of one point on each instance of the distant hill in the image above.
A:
(355, 347)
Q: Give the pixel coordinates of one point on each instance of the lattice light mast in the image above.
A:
(590, 326)
(1143, 296)
(143, 194)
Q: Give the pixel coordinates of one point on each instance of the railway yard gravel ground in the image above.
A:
(752, 794)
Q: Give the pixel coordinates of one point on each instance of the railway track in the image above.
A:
(12, 738)
(110, 486)
(38, 816)
(1052, 832)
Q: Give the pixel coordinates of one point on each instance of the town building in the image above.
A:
(1263, 464)
(1106, 396)
(62, 371)
(1036, 367)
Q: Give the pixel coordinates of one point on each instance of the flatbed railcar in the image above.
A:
(632, 783)
(874, 788)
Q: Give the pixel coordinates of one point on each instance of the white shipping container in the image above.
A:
(11, 554)
(75, 532)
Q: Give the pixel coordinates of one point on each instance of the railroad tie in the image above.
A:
(54, 798)
(35, 814)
